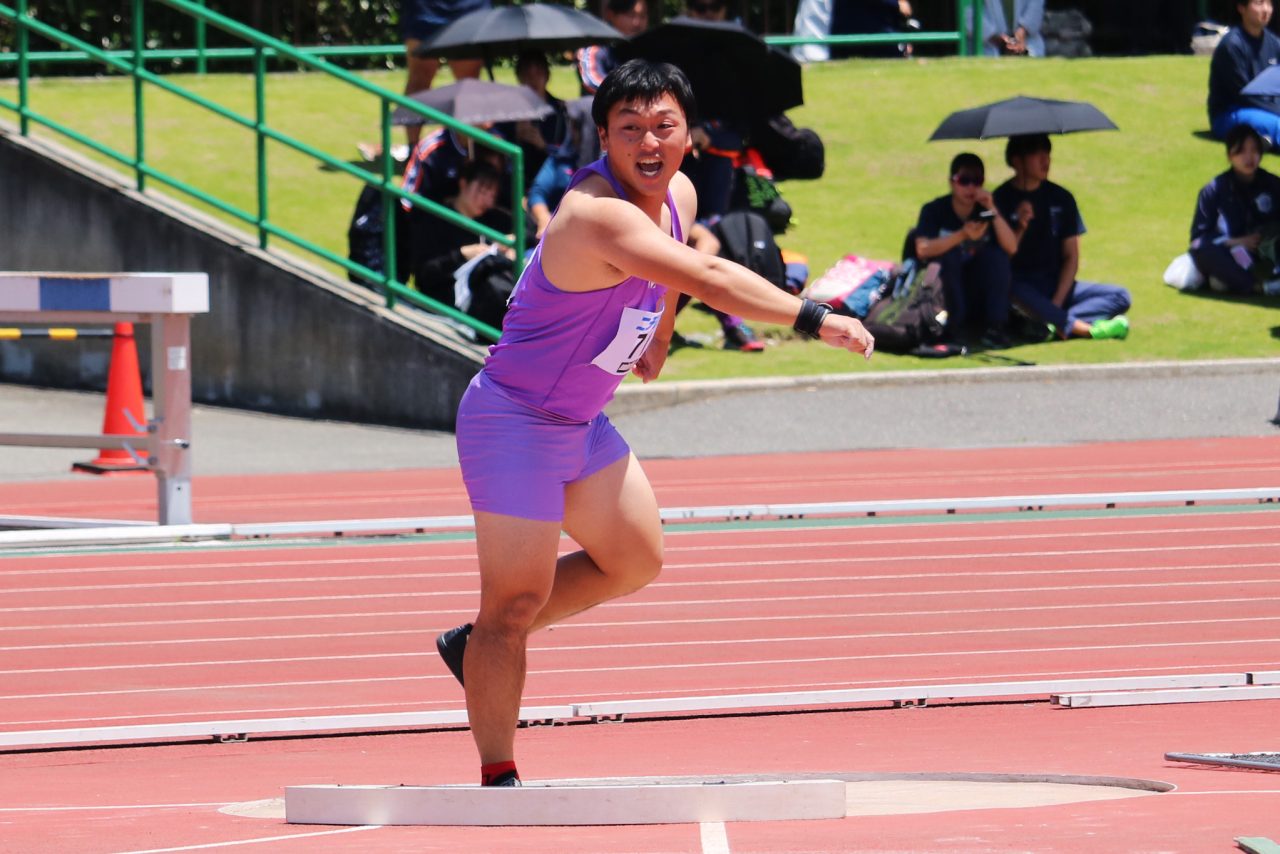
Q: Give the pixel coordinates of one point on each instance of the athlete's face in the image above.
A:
(646, 143)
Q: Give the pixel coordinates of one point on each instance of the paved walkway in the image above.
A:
(995, 407)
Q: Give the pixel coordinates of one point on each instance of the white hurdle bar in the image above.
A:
(616, 709)
(166, 301)
(756, 512)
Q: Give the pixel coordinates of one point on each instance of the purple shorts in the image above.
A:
(516, 460)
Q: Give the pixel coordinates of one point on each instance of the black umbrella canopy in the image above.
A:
(476, 102)
(734, 74)
(1022, 115)
(507, 30)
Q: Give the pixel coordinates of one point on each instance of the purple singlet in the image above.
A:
(566, 352)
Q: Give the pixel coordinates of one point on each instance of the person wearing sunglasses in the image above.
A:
(967, 236)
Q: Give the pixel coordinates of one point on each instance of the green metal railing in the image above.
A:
(133, 63)
(968, 43)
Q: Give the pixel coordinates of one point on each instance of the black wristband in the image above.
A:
(810, 318)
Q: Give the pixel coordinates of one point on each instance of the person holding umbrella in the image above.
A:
(1048, 225)
(538, 456)
(1235, 213)
(1244, 53)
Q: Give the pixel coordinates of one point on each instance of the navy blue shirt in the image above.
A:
(1057, 218)
(938, 219)
(1238, 59)
(1229, 208)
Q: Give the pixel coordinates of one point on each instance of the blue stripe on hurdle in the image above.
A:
(75, 294)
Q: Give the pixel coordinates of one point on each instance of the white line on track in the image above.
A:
(649, 603)
(713, 837)
(111, 807)
(455, 614)
(686, 665)
(365, 578)
(696, 643)
(209, 845)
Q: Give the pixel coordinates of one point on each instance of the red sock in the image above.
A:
(490, 774)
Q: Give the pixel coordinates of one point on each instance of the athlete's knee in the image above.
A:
(512, 612)
(643, 565)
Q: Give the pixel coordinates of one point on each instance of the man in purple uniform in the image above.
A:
(538, 456)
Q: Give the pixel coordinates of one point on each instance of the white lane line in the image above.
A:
(654, 644)
(112, 807)
(455, 614)
(418, 578)
(613, 624)
(714, 838)
(717, 583)
(209, 845)
(699, 665)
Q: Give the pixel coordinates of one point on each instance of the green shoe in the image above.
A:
(1116, 327)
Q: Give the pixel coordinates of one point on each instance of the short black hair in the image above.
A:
(967, 161)
(1027, 143)
(531, 57)
(644, 81)
(617, 7)
(480, 170)
(1238, 134)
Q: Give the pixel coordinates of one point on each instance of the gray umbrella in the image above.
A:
(507, 30)
(1022, 115)
(476, 102)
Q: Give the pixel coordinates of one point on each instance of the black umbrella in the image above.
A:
(1022, 115)
(507, 30)
(476, 102)
(734, 74)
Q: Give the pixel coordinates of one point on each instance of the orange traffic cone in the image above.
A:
(125, 413)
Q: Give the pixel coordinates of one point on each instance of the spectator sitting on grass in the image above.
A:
(1244, 53)
(1236, 211)
(1047, 225)
(965, 233)
(437, 247)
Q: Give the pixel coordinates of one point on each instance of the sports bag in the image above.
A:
(745, 237)
(912, 313)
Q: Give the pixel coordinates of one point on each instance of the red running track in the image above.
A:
(286, 630)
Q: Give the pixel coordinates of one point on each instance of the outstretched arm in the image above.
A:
(622, 237)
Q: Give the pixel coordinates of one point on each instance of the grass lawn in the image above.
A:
(1136, 188)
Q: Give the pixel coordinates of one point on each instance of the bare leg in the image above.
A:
(613, 515)
(517, 567)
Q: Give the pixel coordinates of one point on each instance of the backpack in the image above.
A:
(754, 190)
(745, 238)
(791, 152)
(364, 235)
(912, 312)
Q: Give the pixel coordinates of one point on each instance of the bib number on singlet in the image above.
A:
(635, 331)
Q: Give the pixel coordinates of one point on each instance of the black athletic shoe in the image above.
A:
(452, 645)
(507, 778)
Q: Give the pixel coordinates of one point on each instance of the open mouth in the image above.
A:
(650, 168)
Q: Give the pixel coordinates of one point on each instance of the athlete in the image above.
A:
(538, 456)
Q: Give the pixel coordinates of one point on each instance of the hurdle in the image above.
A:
(165, 301)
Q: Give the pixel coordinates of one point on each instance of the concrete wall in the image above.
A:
(280, 336)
